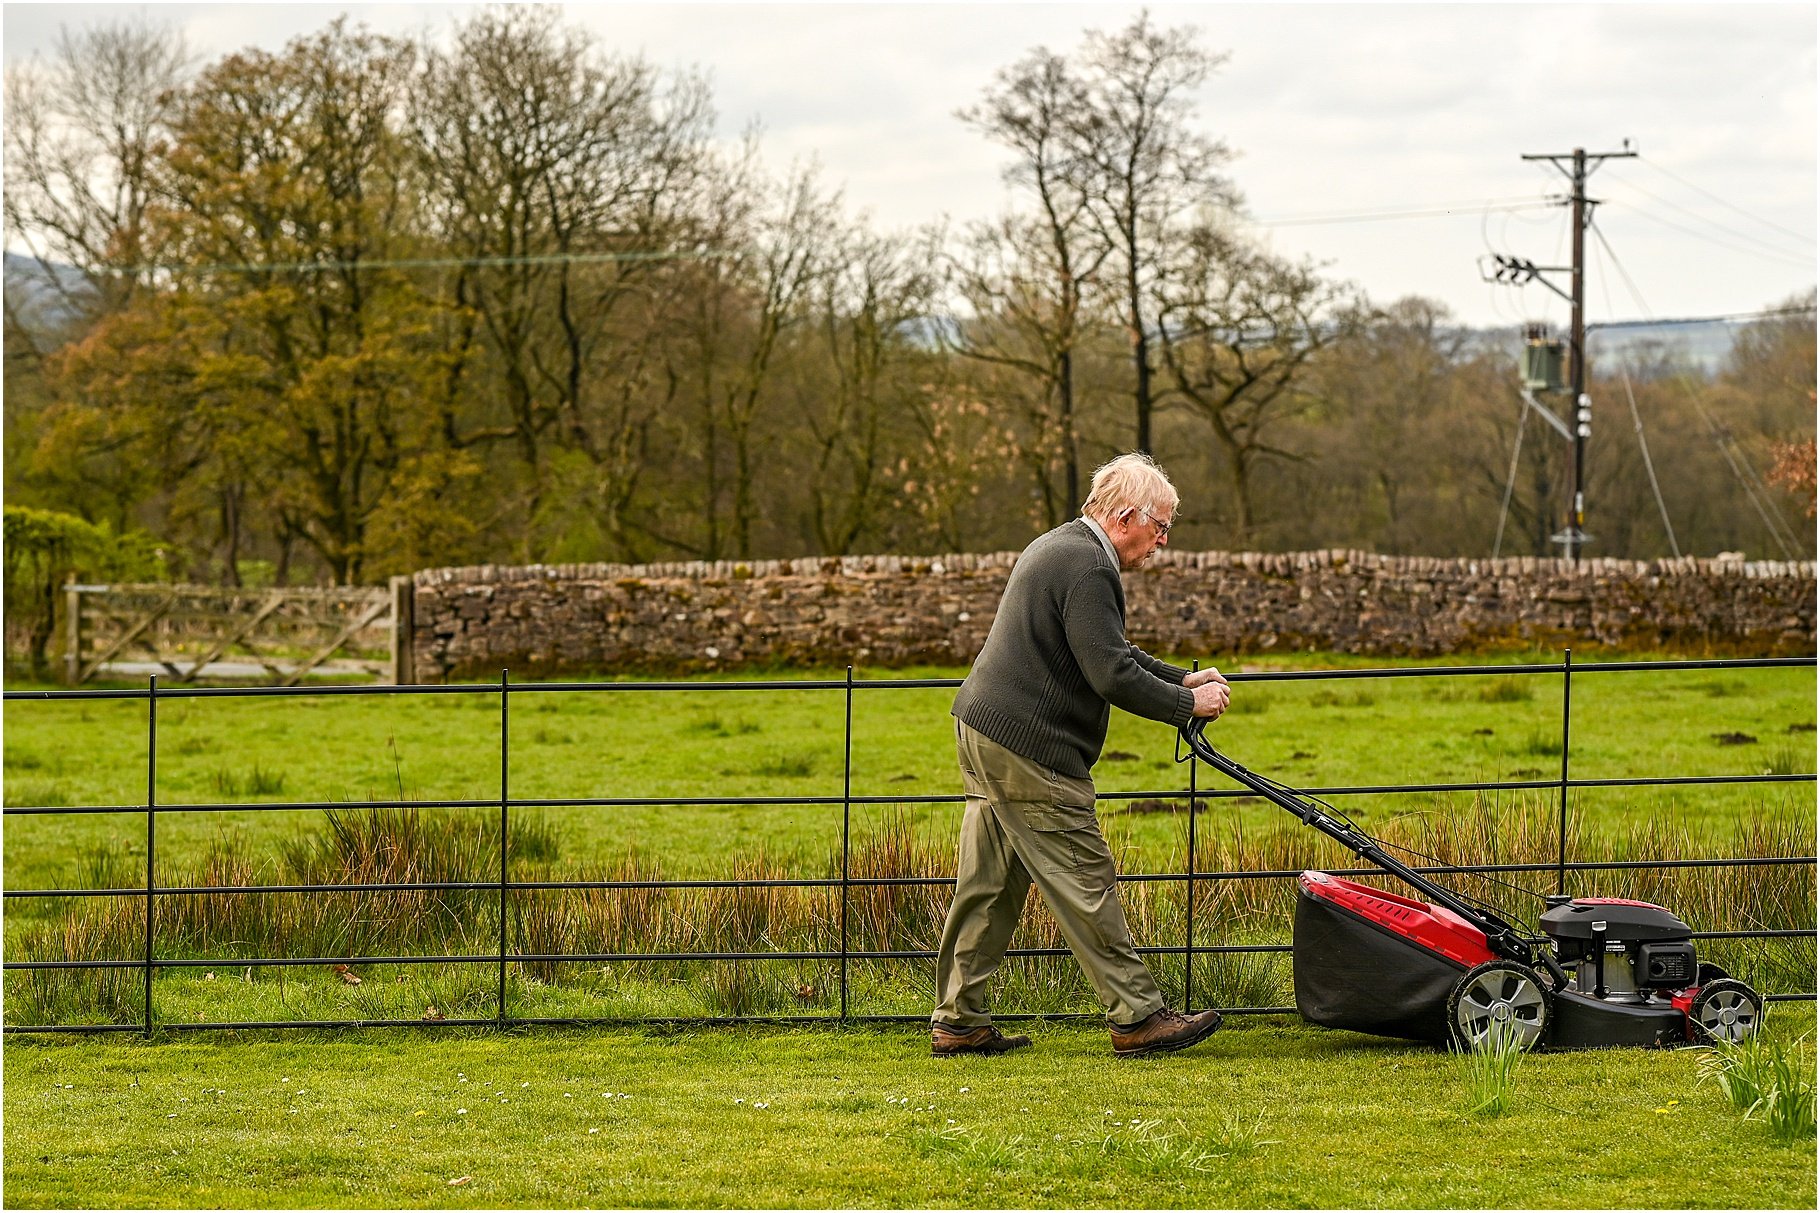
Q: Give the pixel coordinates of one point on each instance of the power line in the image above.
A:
(1730, 231)
(1722, 202)
(1510, 484)
(1698, 235)
(1754, 489)
(1727, 318)
(1636, 421)
(1422, 213)
(329, 266)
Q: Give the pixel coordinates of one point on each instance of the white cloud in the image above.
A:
(1330, 107)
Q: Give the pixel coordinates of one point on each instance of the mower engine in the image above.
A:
(1634, 978)
(1621, 950)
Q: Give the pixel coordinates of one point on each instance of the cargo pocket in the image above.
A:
(1069, 837)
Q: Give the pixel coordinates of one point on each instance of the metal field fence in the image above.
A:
(504, 957)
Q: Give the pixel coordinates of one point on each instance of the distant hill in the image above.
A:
(1706, 344)
(47, 301)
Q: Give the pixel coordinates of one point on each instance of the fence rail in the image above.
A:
(502, 956)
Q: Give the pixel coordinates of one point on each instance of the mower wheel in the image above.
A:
(1726, 1011)
(1498, 999)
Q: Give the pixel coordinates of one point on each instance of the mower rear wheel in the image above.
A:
(1726, 1010)
(1498, 1000)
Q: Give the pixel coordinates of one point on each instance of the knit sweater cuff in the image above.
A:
(1184, 708)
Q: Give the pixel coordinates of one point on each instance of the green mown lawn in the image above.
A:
(1266, 1115)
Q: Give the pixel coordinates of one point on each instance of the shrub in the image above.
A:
(44, 548)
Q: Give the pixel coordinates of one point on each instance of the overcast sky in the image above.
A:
(1340, 114)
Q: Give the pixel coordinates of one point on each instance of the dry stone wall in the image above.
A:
(895, 611)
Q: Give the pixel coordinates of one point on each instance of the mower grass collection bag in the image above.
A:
(1371, 961)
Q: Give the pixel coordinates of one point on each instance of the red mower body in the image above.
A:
(1435, 928)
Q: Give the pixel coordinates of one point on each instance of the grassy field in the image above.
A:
(1266, 1115)
(790, 743)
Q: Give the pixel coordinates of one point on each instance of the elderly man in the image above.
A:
(1030, 722)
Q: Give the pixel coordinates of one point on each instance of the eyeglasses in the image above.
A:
(1162, 528)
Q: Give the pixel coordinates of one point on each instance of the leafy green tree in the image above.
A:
(289, 198)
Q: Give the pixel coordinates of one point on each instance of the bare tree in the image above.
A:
(1026, 340)
(790, 252)
(1145, 166)
(876, 289)
(1389, 406)
(1034, 108)
(81, 134)
(1236, 325)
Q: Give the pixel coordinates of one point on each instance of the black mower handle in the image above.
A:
(1504, 938)
(1195, 734)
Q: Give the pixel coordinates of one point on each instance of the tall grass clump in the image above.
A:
(1766, 1081)
(895, 917)
(1786, 760)
(91, 929)
(1488, 1073)
(259, 781)
(968, 1148)
(219, 915)
(1144, 1144)
(900, 886)
(85, 928)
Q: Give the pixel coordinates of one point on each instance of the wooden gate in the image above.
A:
(189, 631)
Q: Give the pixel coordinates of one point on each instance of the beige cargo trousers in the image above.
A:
(1024, 824)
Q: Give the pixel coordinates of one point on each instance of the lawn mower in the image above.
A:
(1450, 969)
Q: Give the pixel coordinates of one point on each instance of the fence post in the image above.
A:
(1188, 941)
(404, 627)
(151, 838)
(846, 834)
(1567, 702)
(504, 791)
(72, 632)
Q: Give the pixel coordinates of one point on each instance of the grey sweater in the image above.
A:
(1057, 657)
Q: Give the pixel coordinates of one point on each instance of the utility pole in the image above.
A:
(1578, 166)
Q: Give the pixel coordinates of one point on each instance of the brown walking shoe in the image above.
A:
(1163, 1032)
(987, 1040)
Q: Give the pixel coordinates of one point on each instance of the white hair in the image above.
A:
(1131, 481)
